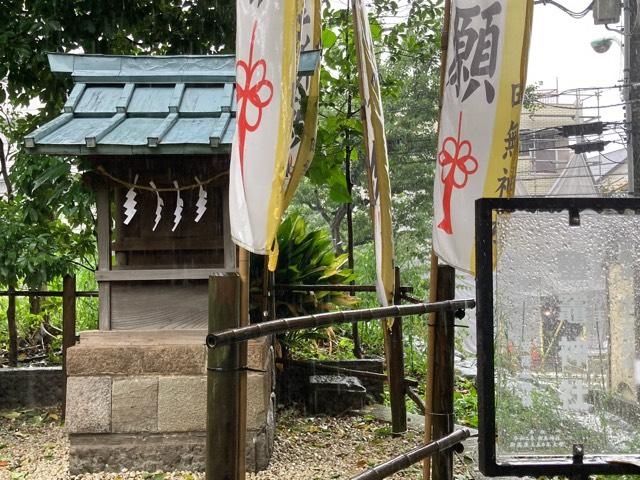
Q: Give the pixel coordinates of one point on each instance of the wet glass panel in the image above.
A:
(566, 335)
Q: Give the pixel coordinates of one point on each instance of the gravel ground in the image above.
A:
(33, 446)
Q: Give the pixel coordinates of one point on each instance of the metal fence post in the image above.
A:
(225, 451)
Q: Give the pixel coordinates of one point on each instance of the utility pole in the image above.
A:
(632, 117)
(632, 91)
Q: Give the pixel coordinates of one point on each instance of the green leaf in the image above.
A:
(338, 190)
(376, 29)
(54, 25)
(328, 38)
(53, 173)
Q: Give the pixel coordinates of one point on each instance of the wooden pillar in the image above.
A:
(431, 337)
(244, 258)
(13, 329)
(443, 379)
(68, 328)
(272, 292)
(103, 230)
(433, 277)
(225, 453)
(396, 368)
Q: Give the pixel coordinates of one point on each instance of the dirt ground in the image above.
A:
(33, 446)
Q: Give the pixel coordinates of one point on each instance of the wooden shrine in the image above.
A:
(157, 134)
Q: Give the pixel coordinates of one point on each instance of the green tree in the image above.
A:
(31, 28)
(47, 212)
(46, 191)
(406, 39)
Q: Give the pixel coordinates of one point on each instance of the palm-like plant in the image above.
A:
(305, 258)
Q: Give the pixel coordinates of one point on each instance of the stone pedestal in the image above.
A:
(137, 400)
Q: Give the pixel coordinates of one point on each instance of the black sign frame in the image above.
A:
(577, 464)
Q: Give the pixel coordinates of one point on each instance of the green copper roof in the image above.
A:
(124, 105)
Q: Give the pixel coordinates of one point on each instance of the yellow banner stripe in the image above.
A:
(290, 54)
(308, 140)
(513, 72)
(367, 56)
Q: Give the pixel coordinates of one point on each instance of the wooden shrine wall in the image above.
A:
(157, 274)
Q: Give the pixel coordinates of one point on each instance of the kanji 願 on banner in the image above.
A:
(484, 84)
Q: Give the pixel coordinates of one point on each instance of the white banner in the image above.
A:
(267, 44)
(376, 151)
(485, 78)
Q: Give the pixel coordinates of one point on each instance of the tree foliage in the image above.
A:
(47, 213)
(406, 38)
(31, 28)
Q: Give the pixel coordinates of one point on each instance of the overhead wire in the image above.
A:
(571, 13)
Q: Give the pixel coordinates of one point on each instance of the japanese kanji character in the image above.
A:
(573, 394)
(574, 352)
(516, 94)
(511, 140)
(480, 46)
(504, 184)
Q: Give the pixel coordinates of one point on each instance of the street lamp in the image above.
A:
(601, 45)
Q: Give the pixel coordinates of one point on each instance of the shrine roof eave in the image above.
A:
(145, 105)
(127, 150)
(86, 68)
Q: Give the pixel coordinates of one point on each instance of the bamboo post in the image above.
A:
(283, 325)
(68, 328)
(405, 460)
(272, 293)
(223, 375)
(13, 329)
(396, 368)
(443, 382)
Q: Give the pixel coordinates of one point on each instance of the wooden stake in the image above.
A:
(433, 277)
(431, 336)
(396, 368)
(244, 259)
(223, 375)
(443, 382)
(13, 330)
(68, 328)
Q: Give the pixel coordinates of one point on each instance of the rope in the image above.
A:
(433, 414)
(126, 184)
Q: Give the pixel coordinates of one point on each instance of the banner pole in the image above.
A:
(433, 275)
(244, 258)
(431, 354)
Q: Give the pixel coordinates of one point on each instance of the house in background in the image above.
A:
(610, 171)
(548, 166)
(544, 153)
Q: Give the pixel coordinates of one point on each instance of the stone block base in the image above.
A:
(142, 452)
(31, 387)
(150, 452)
(137, 400)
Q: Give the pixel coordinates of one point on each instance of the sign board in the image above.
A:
(558, 336)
